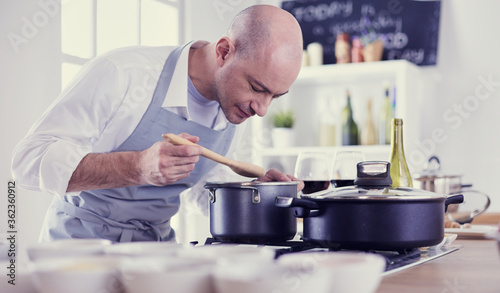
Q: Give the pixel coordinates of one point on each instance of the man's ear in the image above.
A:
(224, 49)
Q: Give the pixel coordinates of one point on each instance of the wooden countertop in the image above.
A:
(475, 267)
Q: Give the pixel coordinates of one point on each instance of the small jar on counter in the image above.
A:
(357, 50)
(343, 48)
(315, 53)
(305, 58)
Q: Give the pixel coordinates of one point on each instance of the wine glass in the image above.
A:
(313, 169)
(344, 167)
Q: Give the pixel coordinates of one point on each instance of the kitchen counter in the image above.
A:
(475, 267)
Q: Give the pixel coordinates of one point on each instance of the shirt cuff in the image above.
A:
(58, 164)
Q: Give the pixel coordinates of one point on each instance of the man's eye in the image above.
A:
(256, 89)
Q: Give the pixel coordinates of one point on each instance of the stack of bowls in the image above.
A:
(17, 273)
(78, 275)
(167, 274)
(318, 272)
(73, 265)
(67, 248)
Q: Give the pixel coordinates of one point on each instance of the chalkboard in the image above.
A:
(408, 28)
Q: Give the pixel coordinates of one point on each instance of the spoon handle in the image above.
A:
(177, 140)
(242, 168)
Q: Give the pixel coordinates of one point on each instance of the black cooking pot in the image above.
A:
(245, 211)
(372, 215)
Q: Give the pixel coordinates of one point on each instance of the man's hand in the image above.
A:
(164, 163)
(276, 175)
(161, 164)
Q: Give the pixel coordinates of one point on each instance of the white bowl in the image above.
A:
(167, 274)
(270, 277)
(230, 253)
(139, 249)
(22, 279)
(341, 272)
(447, 240)
(77, 275)
(67, 248)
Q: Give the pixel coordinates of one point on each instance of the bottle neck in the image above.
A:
(348, 105)
(369, 110)
(397, 137)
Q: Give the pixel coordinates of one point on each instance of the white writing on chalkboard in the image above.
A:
(323, 11)
(409, 29)
(394, 40)
(413, 55)
(379, 20)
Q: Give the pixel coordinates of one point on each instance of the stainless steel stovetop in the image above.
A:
(426, 254)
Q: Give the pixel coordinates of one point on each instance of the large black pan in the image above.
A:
(372, 215)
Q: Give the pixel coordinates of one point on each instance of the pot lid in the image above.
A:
(432, 170)
(374, 182)
(248, 184)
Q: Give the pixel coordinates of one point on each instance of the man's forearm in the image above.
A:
(161, 164)
(107, 170)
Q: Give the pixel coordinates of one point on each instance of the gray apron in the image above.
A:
(137, 213)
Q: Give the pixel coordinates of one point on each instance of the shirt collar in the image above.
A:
(177, 93)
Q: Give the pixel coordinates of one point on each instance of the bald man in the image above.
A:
(99, 151)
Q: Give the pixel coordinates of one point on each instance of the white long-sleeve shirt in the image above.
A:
(99, 109)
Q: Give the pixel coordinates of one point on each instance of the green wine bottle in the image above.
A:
(400, 174)
(386, 116)
(349, 127)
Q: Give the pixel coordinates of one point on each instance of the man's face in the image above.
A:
(245, 87)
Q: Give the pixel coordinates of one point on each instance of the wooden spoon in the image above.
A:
(241, 168)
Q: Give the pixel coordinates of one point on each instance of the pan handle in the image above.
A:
(303, 208)
(476, 212)
(453, 199)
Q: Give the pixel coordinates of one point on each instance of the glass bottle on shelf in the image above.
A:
(368, 136)
(400, 174)
(327, 133)
(385, 119)
(343, 48)
(349, 127)
(357, 50)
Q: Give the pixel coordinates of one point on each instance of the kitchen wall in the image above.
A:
(30, 79)
(468, 96)
(468, 59)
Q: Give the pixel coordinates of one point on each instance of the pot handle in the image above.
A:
(255, 197)
(303, 208)
(453, 199)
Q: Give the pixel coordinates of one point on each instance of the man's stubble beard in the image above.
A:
(222, 96)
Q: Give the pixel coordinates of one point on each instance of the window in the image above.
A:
(90, 28)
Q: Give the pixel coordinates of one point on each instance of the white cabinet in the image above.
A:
(321, 90)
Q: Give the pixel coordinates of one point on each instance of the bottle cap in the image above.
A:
(357, 43)
(343, 37)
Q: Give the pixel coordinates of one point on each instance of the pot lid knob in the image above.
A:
(373, 174)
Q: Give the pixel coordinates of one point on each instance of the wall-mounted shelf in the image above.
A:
(329, 82)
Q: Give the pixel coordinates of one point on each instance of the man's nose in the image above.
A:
(261, 105)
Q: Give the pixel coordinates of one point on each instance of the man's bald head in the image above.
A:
(265, 27)
(255, 62)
